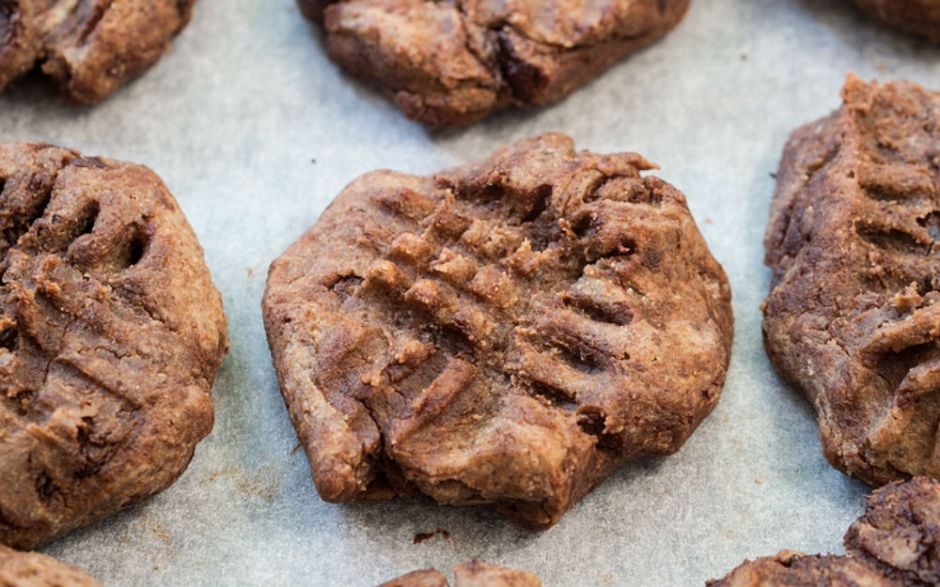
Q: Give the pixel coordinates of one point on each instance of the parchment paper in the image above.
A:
(255, 131)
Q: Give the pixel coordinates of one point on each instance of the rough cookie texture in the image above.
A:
(921, 17)
(895, 544)
(505, 333)
(88, 47)
(853, 316)
(453, 62)
(111, 333)
(901, 530)
(472, 574)
(792, 569)
(21, 569)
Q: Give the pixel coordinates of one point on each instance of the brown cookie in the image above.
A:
(111, 333)
(22, 569)
(895, 544)
(452, 63)
(473, 574)
(793, 569)
(921, 17)
(505, 333)
(88, 47)
(853, 316)
(901, 530)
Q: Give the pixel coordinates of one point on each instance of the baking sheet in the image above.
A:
(255, 131)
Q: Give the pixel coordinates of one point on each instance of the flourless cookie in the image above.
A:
(111, 333)
(88, 47)
(22, 569)
(921, 17)
(472, 574)
(453, 62)
(895, 544)
(853, 316)
(505, 333)
(793, 569)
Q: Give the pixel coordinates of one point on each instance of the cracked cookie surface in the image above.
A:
(921, 17)
(896, 543)
(507, 333)
(88, 47)
(853, 315)
(473, 574)
(451, 63)
(111, 334)
(31, 569)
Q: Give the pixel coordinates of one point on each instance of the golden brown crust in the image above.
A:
(853, 316)
(111, 333)
(30, 569)
(473, 574)
(921, 17)
(88, 47)
(895, 544)
(509, 332)
(452, 63)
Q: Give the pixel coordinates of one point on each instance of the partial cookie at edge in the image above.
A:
(89, 48)
(453, 63)
(853, 315)
(31, 569)
(111, 333)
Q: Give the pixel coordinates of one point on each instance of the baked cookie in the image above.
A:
(472, 574)
(452, 63)
(792, 569)
(895, 544)
(853, 316)
(111, 333)
(22, 569)
(88, 47)
(921, 17)
(506, 333)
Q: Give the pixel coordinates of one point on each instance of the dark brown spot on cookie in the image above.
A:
(891, 239)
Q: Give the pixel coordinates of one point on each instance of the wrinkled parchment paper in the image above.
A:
(255, 131)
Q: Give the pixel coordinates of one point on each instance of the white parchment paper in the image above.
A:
(255, 131)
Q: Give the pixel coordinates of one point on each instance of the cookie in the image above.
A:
(472, 574)
(452, 63)
(792, 569)
(21, 569)
(111, 333)
(921, 17)
(895, 544)
(506, 333)
(853, 315)
(89, 48)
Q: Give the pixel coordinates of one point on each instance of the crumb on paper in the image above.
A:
(160, 533)
(423, 536)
